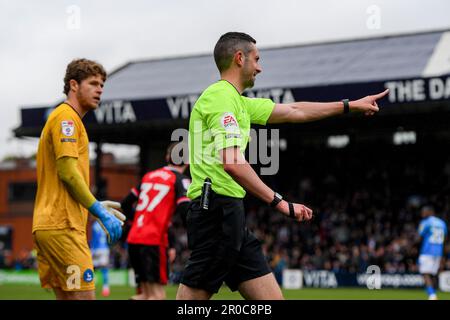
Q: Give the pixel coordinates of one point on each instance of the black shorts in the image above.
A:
(223, 249)
(150, 263)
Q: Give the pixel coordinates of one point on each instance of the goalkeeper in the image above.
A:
(63, 198)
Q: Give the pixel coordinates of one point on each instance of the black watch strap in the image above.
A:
(291, 210)
(277, 198)
(346, 106)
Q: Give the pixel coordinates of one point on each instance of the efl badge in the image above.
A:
(68, 128)
(228, 121)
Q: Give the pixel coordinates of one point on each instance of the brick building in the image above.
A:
(18, 190)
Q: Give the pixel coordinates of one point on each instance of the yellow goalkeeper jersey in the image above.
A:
(63, 135)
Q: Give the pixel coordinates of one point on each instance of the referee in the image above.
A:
(222, 248)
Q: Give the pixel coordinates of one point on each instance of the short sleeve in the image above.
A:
(221, 120)
(65, 132)
(259, 109)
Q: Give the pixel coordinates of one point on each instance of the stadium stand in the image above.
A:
(366, 196)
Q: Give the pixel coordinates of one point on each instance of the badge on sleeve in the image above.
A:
(88, 275)
(67, 128)
(229, 122)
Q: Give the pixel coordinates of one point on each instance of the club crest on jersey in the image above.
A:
(67, 128)
(88, 275)
(229, 121)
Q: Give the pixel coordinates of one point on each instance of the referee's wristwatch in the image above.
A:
(276, 199)
(346, 106)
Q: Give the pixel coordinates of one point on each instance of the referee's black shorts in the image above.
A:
(222, 248)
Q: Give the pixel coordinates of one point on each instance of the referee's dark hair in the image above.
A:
(227, 46)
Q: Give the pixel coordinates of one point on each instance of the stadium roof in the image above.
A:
(364, 60)
(150, 97)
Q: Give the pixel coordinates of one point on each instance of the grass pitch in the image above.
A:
(35, 292)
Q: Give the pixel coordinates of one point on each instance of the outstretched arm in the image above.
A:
(311, 111)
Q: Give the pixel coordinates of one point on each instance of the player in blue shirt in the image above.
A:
(432, 231)
(100, 255)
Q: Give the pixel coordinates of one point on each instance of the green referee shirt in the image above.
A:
(220, 119)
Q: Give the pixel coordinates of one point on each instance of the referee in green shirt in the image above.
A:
(222, 248)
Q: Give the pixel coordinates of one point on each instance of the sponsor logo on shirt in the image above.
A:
(67, 128)
(229, 121)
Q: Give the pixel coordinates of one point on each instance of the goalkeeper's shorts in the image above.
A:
(222, 248)
(64, 260)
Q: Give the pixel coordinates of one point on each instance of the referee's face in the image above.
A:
(251, 68)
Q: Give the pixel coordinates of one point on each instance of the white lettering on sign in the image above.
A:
(181, 107)
(418, 90)
(406, 91)
(115, 112)
(320, 279)
(439, 89)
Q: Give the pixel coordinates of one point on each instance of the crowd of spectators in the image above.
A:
(366, 210)
(366, 206)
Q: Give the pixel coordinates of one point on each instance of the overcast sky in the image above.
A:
(39, 38)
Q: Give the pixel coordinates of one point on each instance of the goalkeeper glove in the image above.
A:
(111, 220)
(112, 207)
